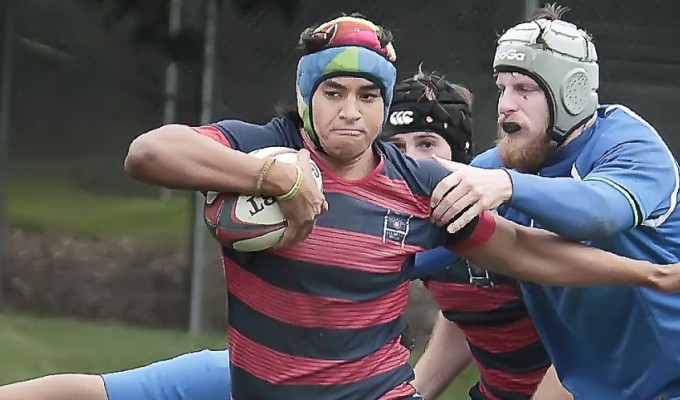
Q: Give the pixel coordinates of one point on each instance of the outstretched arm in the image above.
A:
(539, 256)
(200, 375)
(446, 356)
(562, 205)
(571, 212)
(626, 187)
(57, 387)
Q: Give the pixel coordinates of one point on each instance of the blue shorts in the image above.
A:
(201, 375)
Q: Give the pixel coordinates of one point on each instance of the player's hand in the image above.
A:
(468, 189)
(302, 210)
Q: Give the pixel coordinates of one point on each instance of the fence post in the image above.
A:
(171, 77)
(6, 77)
(530, 6)
(199, 232)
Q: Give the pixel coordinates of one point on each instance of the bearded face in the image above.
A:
(523, 119)
(525, 150)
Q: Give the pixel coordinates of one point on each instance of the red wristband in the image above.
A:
(486, 227)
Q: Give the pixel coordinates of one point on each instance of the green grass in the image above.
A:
(57, 207)
(32, 346)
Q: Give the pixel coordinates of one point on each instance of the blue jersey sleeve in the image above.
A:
(247, 137)
(201, 375)
(581, 210)
(631, 179)
(644, 172)
(432, 261)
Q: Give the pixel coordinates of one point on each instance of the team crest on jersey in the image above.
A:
(396, 227)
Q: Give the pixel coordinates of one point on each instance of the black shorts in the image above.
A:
(476, 394)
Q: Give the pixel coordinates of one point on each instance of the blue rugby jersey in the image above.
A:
(323, 320)
(616, 188)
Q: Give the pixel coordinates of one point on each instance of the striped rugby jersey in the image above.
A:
(323, 319)
(505, 346)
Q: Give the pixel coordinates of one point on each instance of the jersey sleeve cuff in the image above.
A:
(213, 133)
(524, 186)
(482, 233)
(638, 216)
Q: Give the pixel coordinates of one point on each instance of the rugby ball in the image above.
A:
(250, 223)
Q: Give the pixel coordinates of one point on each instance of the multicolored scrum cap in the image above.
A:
(348, 46)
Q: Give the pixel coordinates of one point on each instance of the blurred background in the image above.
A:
(98, 272)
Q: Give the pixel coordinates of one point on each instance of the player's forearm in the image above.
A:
(575, 209)
(56, 387)
(177, 157)
(446, 356)
(540, 256)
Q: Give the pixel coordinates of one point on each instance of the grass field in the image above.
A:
(57, 207)
(31, 346)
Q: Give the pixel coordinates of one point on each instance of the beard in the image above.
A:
(524, 151)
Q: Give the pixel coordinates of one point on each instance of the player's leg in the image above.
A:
(56, 387)
(202, 375)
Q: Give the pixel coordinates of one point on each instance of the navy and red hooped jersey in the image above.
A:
(323, 319)
(489, 309)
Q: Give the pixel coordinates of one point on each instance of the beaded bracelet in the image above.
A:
(263, 172)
